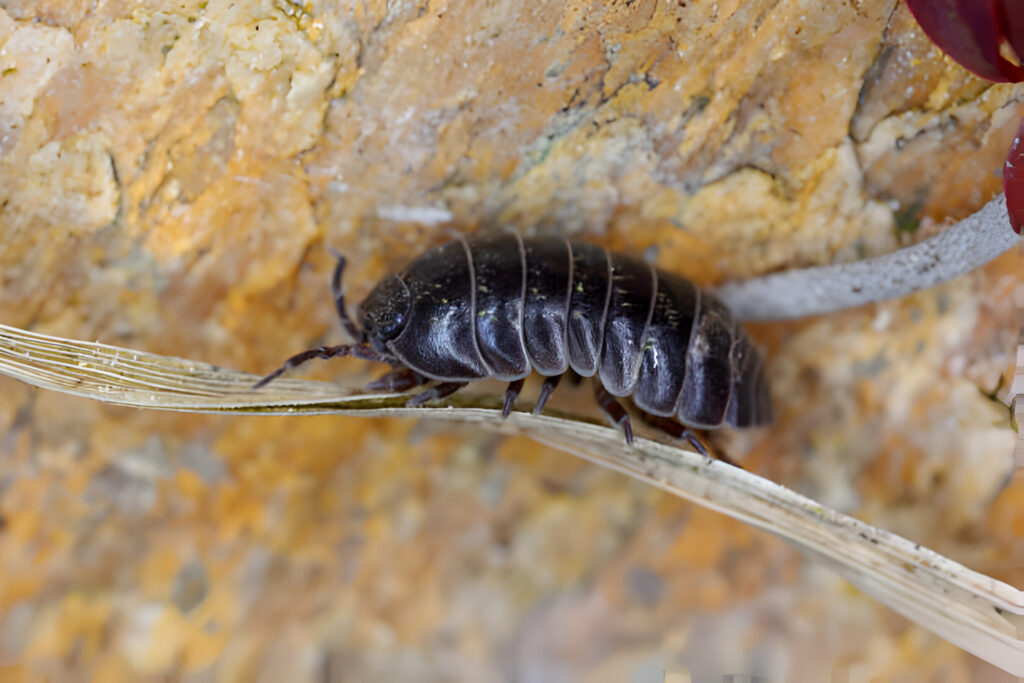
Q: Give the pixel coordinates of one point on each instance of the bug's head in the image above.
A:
(384, 312)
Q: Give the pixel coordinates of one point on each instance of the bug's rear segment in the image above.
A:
(708, 384)
(749, 404)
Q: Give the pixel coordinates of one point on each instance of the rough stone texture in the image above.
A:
(170, 175)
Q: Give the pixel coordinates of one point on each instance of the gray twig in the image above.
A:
(967, 245)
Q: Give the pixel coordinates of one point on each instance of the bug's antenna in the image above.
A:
(339, 297)
(324, 352)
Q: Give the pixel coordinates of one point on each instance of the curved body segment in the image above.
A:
(438, 339)
(630, 305)
(665, 361)
(546, 304)
(499, 268)
(588, 306)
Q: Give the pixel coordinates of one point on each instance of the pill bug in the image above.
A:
(500, 306)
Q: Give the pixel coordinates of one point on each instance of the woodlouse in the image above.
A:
(501, 306)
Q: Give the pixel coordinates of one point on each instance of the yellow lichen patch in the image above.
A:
(895, 373)
(526, 454)
(681, 252)
(113, 666)
(77, 622)
(190, 486)
(29, 58)
(828, 219)
(897, 472)
(77, 177)
(237, 514)
(65, 13)
(817, 106)
(1004, 521)
(157, 571)
(154, 642)
(18, 587)
(322, 444)
(971, 139)
(911, 74)
(701, 543)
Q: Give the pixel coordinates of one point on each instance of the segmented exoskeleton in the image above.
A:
(503, 306)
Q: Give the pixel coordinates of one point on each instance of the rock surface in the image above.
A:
(170, 175)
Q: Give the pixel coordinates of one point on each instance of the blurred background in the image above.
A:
(172, 174)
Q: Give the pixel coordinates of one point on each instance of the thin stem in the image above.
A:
(967, 245)
(969, 609)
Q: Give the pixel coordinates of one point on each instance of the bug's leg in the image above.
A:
(339, 299)
(545, 392)
(435, 392)
(398, 380)
(684, 433)
(613, 410)
(511, 394)
(324, 352)
(677, 431)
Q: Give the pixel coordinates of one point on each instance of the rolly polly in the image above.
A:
(502, 306)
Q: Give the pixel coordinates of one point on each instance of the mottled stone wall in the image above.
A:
(171, 174)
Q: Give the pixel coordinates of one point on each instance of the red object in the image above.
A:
(1013, 180)
(984, 36)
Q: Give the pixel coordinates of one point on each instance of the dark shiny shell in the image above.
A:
(504, 306)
